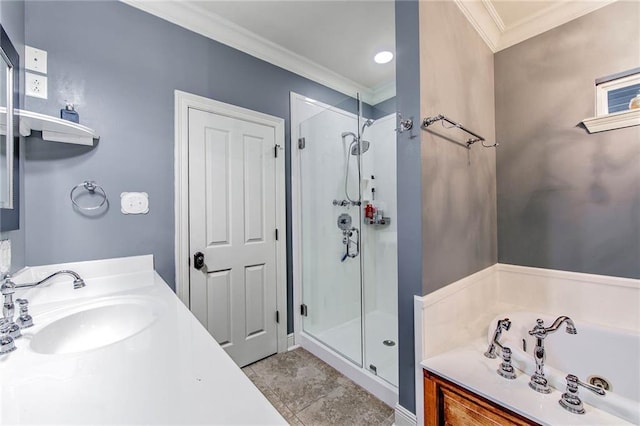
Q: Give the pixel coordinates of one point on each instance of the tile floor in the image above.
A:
(307, 391)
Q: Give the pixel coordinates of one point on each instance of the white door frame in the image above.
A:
(184, 101)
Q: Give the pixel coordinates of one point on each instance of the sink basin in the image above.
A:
(94, 328)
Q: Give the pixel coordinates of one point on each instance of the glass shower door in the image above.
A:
(380, 247)
(331, 271)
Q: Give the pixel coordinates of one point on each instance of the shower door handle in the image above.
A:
(198, 260)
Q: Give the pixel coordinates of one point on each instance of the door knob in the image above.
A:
(198, 260)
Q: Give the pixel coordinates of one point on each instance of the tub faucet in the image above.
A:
(506, 370)
(570, 400)
(538, 382)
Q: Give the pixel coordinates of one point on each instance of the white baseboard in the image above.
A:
(404, 417)
(291, 342)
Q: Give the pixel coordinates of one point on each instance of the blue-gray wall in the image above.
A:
(121, 67)
(12, 19)
(409, 191)
(384, 108)
(567, 199)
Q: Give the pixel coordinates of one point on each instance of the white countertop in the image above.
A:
(172, 372)
(469, 368)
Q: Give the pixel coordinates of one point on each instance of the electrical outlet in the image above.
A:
(35, 59)
(35, 85)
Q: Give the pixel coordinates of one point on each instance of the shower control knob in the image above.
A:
(198, 260)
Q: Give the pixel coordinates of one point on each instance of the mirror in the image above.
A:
(9, 134)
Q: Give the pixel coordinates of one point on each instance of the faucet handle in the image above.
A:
(539, 330)
(570, 400)
(24, 320)
(506, 370)
(8, 287)
(6, 341)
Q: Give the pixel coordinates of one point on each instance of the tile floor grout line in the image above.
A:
(292, 380)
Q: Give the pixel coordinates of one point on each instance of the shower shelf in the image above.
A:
(381, 222)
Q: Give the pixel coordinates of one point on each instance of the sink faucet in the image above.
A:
(538, 382)
(77, 281)
(9, 330)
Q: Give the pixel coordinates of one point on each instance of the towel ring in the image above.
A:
(92, 187)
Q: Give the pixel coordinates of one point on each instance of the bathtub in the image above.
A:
(595, 351)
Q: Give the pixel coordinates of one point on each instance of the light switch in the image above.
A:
(134, 203)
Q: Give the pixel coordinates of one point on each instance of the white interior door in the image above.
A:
(232, 222)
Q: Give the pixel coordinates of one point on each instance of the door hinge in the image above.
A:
(276, 234)
(302, 143)
(278, 317)
(303, 310)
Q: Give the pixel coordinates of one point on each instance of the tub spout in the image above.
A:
(570, 326)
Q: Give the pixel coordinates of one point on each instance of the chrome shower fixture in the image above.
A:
(367, 123)
(359, 148)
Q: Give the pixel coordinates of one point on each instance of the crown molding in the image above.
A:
(483, 22)
(192, 17)
(487, 22)
(494, 14)
(382, 92)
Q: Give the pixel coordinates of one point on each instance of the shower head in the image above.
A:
(359, 148)
(366, 124)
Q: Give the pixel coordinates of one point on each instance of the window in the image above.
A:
(613, 93)
(613, 101)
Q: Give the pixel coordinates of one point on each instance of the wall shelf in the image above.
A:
(613, 121)
(54, 129)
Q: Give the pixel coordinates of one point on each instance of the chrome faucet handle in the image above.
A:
(506, 370)
(7, 289)
(570, 400)
(24, 320)
(539, 330)
(6, 341)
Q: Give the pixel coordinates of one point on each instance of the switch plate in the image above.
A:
(35, 59)
(134, 203)
(35, 85)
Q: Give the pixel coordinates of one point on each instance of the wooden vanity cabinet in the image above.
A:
(448, 404)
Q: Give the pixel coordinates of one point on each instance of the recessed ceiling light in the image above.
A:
(383, 57)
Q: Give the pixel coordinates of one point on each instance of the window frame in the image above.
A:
(616, 81)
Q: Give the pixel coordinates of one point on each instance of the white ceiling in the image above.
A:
(333, 41)
(340, 35)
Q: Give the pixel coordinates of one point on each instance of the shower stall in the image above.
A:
(345, 240)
